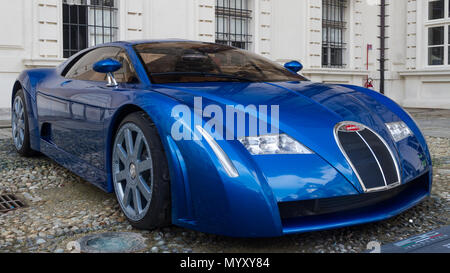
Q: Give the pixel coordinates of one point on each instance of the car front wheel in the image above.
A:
(140, 173)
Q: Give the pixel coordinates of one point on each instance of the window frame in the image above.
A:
(432, 23)
(342, 27)
(113, 27)
(428, 9)
(228, 13)
(81, 54)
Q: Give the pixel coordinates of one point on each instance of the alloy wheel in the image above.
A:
(132, 168)
(18, 122)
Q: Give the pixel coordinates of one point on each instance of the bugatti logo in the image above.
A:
(351, 127)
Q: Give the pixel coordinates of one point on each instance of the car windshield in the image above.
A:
(175, 62)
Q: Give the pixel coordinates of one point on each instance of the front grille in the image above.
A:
(383, 155)
(362, 159)
(369, 156)
(289, 210)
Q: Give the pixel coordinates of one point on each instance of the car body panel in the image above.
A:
(83, 116)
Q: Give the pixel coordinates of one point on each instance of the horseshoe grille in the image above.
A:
(369, 155)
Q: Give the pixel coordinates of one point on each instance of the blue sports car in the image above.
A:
(220, 140)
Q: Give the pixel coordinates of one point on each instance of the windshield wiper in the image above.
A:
(218, 75)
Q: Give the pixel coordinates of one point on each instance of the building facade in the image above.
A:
(337, 41)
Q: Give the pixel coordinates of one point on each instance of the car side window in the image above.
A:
(83, 68)
(126, 74)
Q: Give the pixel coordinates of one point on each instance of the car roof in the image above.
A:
(149, 41)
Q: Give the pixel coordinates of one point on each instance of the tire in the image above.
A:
(140, 174)
(20, 126)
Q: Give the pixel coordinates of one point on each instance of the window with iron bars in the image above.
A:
(333, 30)
(88, 23)
(233, 19)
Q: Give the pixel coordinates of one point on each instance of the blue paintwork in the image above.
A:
(83, 116)
(294, 66)
(107, 66)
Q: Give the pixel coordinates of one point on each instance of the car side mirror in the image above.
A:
(294, 66)
(108, 66)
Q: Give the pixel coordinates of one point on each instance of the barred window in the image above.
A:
(233, 19)
(333, 29)
(88, 23)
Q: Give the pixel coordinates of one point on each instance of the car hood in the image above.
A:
(308, 111)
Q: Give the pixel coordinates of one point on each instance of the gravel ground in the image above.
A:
(61, 207)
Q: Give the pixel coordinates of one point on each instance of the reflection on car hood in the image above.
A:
(308, 111)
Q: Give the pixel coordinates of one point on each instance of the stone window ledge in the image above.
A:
(425, 72)
(42, 62)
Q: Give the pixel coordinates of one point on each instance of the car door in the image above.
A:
(73, 110)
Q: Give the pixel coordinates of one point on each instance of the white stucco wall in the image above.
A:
(282, 30)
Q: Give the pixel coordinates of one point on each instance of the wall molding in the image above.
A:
(42, 62)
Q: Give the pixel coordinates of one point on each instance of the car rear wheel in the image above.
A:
(19, 124)
(140, 173)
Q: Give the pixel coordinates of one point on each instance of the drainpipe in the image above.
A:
(382, 43)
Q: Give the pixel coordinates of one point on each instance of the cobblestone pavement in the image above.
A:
(61, 207)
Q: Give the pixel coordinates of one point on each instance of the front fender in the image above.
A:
(204, 197)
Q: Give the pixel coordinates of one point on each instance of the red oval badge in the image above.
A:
(352, 128)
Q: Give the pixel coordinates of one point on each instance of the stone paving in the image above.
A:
(432, 122)
(61, 207)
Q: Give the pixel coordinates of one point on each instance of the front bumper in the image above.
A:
(255, 207)
(321, 214)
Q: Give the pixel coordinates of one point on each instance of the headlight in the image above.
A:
(273, 144)
(399, 130)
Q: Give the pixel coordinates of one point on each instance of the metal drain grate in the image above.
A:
(9, 202)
